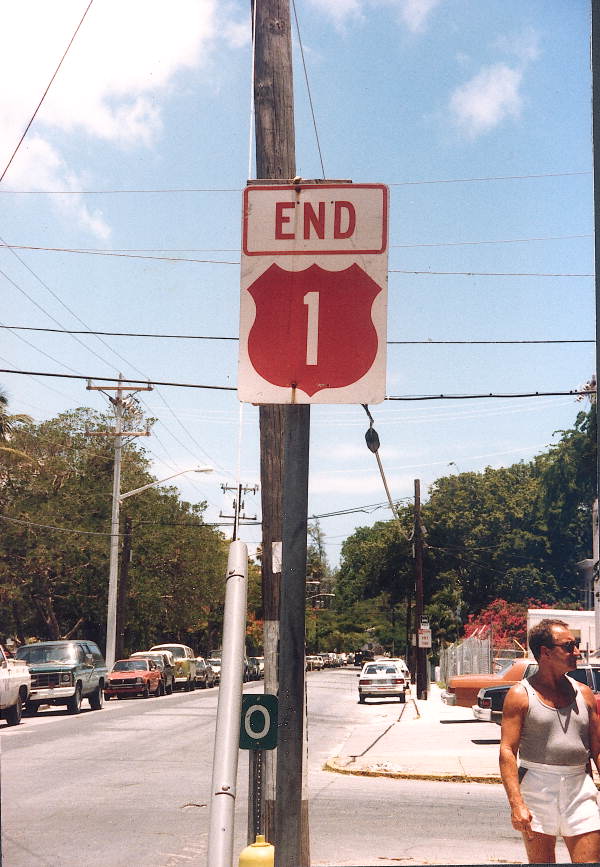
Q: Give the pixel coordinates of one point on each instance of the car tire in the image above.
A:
(146, 691)
(15, 713)
(31, 708)
(361, 699)
(192, 685)
(402, 698)
(169, 688)
(74, 703)
(162, 689)
(97, 699)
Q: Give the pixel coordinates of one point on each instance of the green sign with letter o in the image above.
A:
(258, 726)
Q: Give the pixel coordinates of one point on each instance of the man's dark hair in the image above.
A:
(540, 635)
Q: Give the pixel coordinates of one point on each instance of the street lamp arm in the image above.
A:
(160, 481)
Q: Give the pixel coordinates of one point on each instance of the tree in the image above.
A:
(54, 572)
(505, 622)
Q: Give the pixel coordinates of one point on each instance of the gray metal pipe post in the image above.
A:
(229, 709)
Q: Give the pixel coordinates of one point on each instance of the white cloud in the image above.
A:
(487, 99)
(121, 67)
(414, 13)
(341, 11)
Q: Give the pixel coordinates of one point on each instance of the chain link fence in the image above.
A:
(470, 656)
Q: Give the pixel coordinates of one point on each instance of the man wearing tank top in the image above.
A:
(551, 724)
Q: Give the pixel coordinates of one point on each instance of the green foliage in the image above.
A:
(512, 533)
(53, 583)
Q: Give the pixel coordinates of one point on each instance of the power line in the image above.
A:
(570, 392)
(237, 262)
(161, 190)
(39, 105)
(312, 110)
(50, 527)
(484, 273)
(235, 339)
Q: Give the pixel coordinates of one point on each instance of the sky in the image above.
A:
(121, 212)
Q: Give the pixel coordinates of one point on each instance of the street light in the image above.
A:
(111, 614)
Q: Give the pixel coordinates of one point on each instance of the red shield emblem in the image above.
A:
(313, 328)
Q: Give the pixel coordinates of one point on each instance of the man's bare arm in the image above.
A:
(594, 717)
(513, 716)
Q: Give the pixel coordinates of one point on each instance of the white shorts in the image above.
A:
(562, 801)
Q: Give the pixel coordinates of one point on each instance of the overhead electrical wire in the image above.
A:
(308, 90)
(74, 334)
(39, 105)
(427, 342)
(161, 190)
(569, 392)
(236, 262)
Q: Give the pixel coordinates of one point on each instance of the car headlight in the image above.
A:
(66, 678)
(139, 680)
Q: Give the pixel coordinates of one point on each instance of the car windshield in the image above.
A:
(131, 665)
(502, 665)
(382, 668)
(178, 652)
(214, 661)
(48, 653)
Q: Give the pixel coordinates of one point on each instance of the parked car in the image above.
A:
(205, 675)
(463, 688)
(138, 676)
(64, 673)
(490, 700)
(215, 664)
(315, 662)
(382, 678)
(185, 664)
(15, 683)
(166, 665)
(254, 670)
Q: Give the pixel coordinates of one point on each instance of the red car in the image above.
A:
(133, 677)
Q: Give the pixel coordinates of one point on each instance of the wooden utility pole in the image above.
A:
(420, 652)
(283, 526)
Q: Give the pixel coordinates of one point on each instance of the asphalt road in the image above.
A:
(130, 785)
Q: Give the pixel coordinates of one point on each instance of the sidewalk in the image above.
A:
(422, 740)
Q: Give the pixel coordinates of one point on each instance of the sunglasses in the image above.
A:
(568, 646)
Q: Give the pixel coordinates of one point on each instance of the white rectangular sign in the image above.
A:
(313, 293)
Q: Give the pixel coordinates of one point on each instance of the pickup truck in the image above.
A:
(63, 673)
(15, 683)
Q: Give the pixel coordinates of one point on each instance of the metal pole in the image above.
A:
(421, 653)
(288, 807)
(227, 733)
(111, 615)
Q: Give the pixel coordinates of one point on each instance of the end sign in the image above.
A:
(314, 293)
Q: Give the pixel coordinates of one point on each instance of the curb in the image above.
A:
(332, 766)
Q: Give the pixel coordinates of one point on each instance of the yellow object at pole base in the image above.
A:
(260, 853)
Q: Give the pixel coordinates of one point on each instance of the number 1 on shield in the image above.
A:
(311, 300)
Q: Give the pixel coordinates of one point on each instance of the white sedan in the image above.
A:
(382, 679)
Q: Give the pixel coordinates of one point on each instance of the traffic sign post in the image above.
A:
(313, 312)
(258, 732)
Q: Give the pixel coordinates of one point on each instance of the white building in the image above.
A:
(581, 624)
